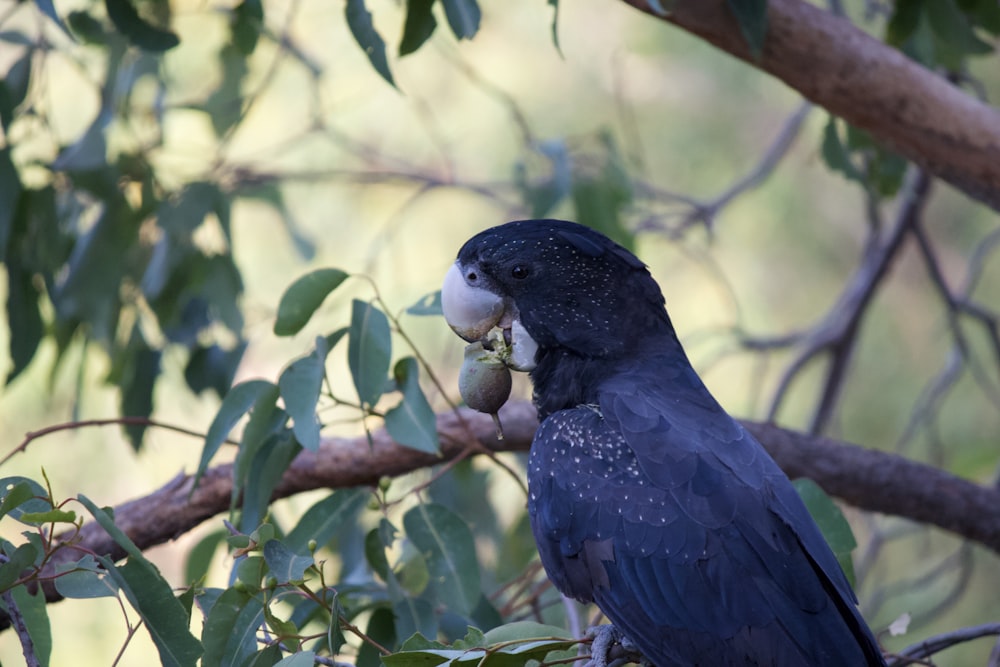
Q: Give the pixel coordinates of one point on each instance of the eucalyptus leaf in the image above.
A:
(359, 21)
(446, 542)
(303, 297)
(369, 351)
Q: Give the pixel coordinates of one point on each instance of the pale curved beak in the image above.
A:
(470, 311)
(473, 312)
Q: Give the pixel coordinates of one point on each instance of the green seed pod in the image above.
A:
(484, 381)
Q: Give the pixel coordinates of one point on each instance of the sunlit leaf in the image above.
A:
(50, 516)
(446, 542)
(303, 297)
(369, 351)
(412, 423)
(139, 31)
(359, 20)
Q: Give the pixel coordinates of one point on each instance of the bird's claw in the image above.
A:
(610, 648)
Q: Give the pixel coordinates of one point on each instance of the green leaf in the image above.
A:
(286, 565)
(51, 516)
(446, 542)
(300, 659)
(524, 630)
(213, 367)
(303, 297)
(251, 570)
(835, 528)
(463, 17)
(246, 24)
(300, 385)
(86, 28)
(264, 475)
(84, 579)
(138, 379)
(266, 657)
(429, 304)
(17, 491)
(267, 422)
(375, 553)
(359, 21)
(904, 21)
(835, 154)
(954, 37)
(10, 192)
(230, 630)
(419, 26)
(162, 613)
(22, 308)
(555, 24)
(17, 562)
(382, 629)
(13, 90)
(414, 616)
(237, 403)
(412, 423)
(369, 351)
(325, 519)
(752, 18)
(36, 619)
(139, 32)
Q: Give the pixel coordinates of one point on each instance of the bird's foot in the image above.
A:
(610, 648)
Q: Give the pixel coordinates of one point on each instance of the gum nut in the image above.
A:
(484, 382)
(470, 311)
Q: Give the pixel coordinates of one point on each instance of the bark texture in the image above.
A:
(873, 86)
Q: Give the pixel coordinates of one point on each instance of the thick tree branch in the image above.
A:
(868, 479)
(871, 85)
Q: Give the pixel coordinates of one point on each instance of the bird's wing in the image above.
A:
(673, 519)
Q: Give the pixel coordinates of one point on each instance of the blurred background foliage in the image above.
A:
(168, 168)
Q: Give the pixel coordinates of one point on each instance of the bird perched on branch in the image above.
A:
(645, 496)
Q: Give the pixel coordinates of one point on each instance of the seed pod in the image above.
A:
(484, 381)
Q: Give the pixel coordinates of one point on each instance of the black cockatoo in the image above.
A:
(645, 496)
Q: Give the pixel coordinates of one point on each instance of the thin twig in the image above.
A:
(938, 643)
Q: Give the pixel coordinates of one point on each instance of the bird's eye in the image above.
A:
(519, 272)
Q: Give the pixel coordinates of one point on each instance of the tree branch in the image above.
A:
(871, 85)
(868, 479)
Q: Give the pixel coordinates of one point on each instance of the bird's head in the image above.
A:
(553, 286)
